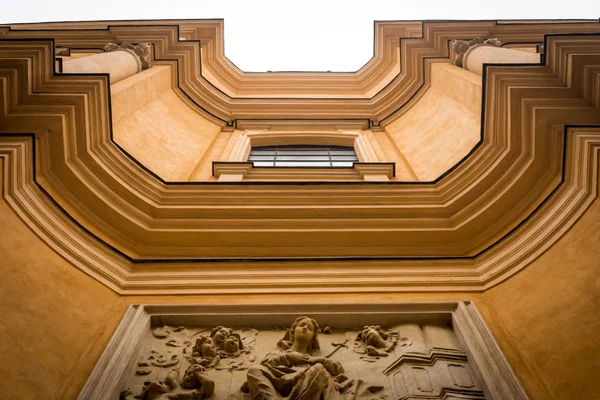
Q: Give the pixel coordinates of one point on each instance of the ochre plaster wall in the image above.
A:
(165, 135)
(203, 170)
(172, 140)
(55, 320)
(133, 93)
(548, 313)
(460, 85)
(442, 127)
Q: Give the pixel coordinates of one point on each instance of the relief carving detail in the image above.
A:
(294, 371)
(301, 362)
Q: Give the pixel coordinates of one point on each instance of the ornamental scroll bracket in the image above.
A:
(462, 47)
(140, 51)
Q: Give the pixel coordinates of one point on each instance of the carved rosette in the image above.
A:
(462, 47)
(141, 51)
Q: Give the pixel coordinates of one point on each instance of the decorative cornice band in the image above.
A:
(229, 94)
(545, 179)
(376, 275)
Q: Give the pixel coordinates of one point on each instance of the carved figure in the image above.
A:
(205, 353)
(232, 345)
(227, 341)
(205, 347)
(198, 385)
(194, 378)
(293, 372)
(376, 342)
(374, 336)
(219, 334)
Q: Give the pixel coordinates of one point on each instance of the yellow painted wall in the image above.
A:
(550, 314)
(131, 94)
(460, 85)
(55, 320)
(157, 128)
(178, 144)
(443, 126)
(203, 170)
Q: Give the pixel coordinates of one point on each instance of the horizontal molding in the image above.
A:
(125, 277)
(536, 173)
(192, 46)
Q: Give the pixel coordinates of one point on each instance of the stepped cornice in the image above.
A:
(381, 91)
(531, 177)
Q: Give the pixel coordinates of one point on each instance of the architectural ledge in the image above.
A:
(231, 171)
(378, 93)
(533, 175)
(238, 171)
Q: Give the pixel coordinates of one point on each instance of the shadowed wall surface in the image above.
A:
(549, 313)
(55, 319)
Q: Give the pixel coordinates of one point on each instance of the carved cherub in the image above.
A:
(205, 347)
(195, 379)
(205, 352)
(376, 342)
(227, 341)
(219, 334)
(197, 384)
(233, 345)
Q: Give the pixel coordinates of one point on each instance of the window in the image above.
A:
(301, 156)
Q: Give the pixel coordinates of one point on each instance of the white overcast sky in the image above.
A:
(309, 35)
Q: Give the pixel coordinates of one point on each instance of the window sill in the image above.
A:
(246, 171)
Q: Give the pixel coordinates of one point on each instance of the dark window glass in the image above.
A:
(303, 156)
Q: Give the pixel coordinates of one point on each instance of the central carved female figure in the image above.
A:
(293, 371)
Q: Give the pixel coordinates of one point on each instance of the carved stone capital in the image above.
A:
(462, 47)
(141, 51)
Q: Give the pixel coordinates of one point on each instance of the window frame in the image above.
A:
(302, 156)
(355, 138)
(237, 168)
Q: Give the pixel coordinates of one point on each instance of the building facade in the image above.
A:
(140, 166)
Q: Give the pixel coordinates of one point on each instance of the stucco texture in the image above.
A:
(165, 135)
(549, 316)
(442, 127)
(55, 319)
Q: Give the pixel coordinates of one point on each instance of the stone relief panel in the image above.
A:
(305, 360)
